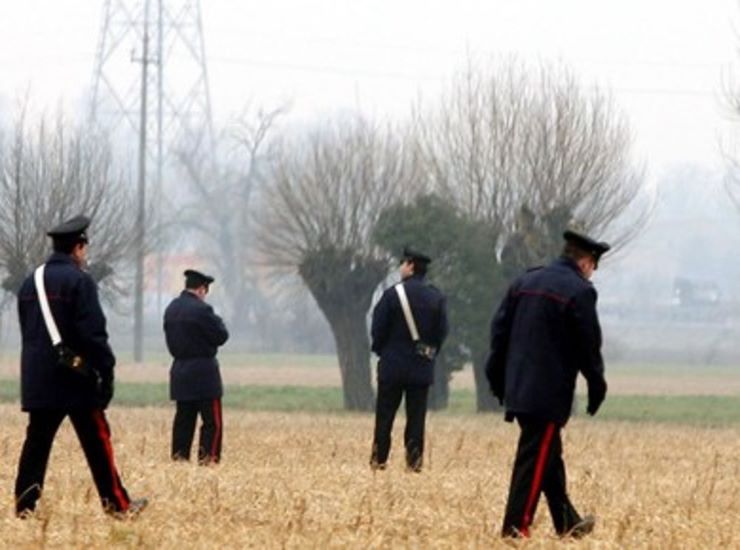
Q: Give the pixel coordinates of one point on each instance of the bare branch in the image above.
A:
(49, 173)
(329, 188)
(506, 137)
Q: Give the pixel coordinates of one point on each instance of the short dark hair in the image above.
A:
(191, 283)
(66, 246)
(575, 253)
(420, 268)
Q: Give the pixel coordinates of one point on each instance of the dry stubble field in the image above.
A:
(298, 480)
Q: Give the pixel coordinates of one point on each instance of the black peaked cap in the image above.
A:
(587, 244)
(195, 278)
(415, 255)
(72, 229)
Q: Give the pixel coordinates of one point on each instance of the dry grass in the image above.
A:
(302, 481)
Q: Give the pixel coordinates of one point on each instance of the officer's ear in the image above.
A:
(78, 252)
(587, 265)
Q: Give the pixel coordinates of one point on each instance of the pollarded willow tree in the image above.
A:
(50, 172)
(327, 190)
(529, 151)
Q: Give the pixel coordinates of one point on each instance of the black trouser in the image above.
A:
(93, 432)
(389, 398)
(538, 468)
(211, 430)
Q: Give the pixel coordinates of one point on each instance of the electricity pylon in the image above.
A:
(167, 107)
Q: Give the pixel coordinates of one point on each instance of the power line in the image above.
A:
(424, 49)
(399, 75)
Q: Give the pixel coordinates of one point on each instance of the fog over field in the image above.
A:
(672, 80)
(292, 150)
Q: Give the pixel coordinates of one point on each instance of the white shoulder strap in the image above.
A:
(406, 307)
(51, 326)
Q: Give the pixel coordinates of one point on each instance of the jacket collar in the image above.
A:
(569, 263)
(414, 277)
(60, 258)
(187, 294)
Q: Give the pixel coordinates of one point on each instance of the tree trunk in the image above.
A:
(439, 394)
(343, 286)
(353, 353)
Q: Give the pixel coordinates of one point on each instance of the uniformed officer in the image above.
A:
(193, 333)
(406, 365)
(545, 331)
(74, 378)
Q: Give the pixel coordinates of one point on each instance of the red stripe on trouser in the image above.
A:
(105, 438)
(217, 431)
(539, 469)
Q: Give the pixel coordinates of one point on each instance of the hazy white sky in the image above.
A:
(664, 60)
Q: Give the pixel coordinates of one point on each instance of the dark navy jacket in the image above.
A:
(391, 339)
(73, 300)
(194, 333)
(545, 331)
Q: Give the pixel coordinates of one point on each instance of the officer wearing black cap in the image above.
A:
(194, 333)
(53, 387)
(544, 333)
(407, 343)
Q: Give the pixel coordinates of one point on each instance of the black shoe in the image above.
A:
(135, 508)
(375, 466)
(414, 464)
(582, 528)
(512, 532)
(26, 513)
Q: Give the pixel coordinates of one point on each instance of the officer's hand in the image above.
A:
(594, 402)
(104, 393)
(498, 394)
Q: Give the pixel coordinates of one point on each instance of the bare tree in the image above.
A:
(221, 208)
(51, 172)
(529, 150)
(730, 102)
(326, 194)
(578, 159)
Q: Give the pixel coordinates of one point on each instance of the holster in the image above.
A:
(68, 359)
(425, 350)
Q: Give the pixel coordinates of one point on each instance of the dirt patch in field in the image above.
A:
(263, 375)
(700, 381)
(683, 384)
(633, 383)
